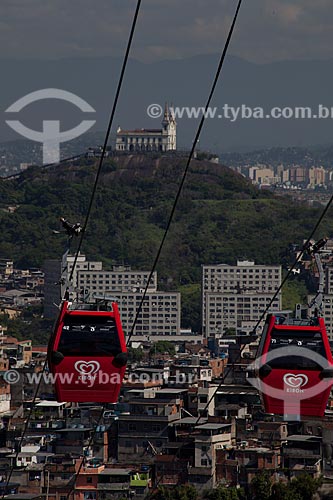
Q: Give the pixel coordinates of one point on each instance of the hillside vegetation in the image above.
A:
(220, 217)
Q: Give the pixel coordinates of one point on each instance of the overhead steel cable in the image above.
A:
(173, 211)
(46, 165)
(90, 443)
(180, 188)
(229, 369)
(298, 258)
(197, 135)
(107, 135)
(121, 78)
(26, 425)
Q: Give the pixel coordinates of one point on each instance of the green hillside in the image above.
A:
(220, 217)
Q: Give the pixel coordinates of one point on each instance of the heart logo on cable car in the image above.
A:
(87, 367)
(295, 381)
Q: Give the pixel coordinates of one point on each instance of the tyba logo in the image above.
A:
(50, 136)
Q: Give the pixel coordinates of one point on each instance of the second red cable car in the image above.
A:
(294, 362)
(295, 366)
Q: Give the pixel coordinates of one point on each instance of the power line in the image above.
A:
(177, 196)
(115, 102)
(90, 443)
(107, 135)
(26, 425)
(196, 138)
(47, 165)
(197, 135)
(298, 258)
(122, 73)
(229, 370)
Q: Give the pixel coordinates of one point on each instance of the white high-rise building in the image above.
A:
(160, 314)
(236, 296)
(327, 303)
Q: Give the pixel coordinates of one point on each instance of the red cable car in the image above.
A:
(87, 353)
(295, 366)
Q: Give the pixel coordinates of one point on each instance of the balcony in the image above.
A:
(112, 486)
(168, 481)
(297, 453)
(56, 424)
(59, 482)
(222, 439)
(200, 471)
(73, 442)
(139, 480)
(312, 468)
(165, 418)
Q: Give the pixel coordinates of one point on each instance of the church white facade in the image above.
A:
(143, 139)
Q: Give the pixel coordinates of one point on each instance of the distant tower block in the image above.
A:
(146, 139)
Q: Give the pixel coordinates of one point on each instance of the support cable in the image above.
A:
(196, 138)
(298, 258)
(121, 78)
(107, 135)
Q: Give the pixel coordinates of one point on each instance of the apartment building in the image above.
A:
(302, 453)
(82, 264)
(6, 268)
(57, 275)
(160, 314)
(209, 438)
(119, 279)
(52, 272)
(144, 431)
(234, 297)
(327, 303)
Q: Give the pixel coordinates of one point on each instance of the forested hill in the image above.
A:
(220, 217)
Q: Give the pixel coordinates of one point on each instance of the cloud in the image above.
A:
(288, 13)
(266, 31)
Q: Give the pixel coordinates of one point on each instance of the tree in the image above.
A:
(34, 328)
(294, 292)
(135, 355)
(183, 492)
(186, 492)
(282, 491)
(162, 347)
(223, 493)
(261, 486)
(305, 485)
(162, 493)
(229, 332)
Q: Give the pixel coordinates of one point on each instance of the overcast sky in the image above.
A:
(268, 30)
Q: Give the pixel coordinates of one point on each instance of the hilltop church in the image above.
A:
(146, 139)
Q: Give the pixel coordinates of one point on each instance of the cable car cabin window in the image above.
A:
(306, 339)
(89, 335)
